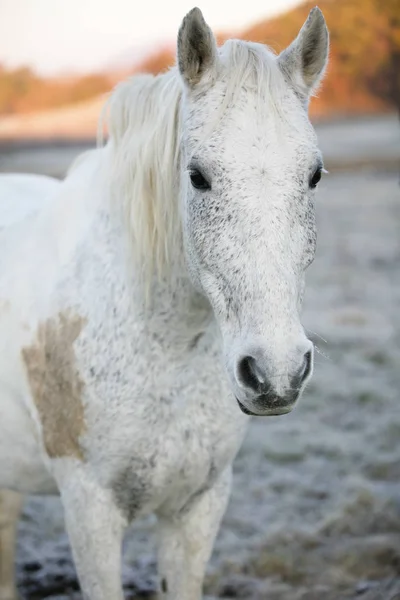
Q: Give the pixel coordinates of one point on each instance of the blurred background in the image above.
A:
(315, 509)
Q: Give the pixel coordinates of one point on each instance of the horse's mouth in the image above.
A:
(272, 412)
(245, 410)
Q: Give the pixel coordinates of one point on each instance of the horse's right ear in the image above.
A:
(305, 60)
(197, 49)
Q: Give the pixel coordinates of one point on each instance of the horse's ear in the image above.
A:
(305, 60)
(197, 48)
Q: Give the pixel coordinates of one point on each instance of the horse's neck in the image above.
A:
(179, 311)
(170, 305)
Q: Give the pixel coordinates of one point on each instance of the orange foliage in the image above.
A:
(364, 70)
(21, 90)
(363, 75)
(157, 62)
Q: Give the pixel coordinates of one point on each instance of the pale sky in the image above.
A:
(81, 35)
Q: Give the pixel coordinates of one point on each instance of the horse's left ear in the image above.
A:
(305, 60)
(197, 49)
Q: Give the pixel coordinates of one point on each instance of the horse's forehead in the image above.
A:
(249, 149)
(252, 124)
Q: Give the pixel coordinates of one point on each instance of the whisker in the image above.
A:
(317, 334)
(322, 353)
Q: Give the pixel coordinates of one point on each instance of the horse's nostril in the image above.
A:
(250, 374)
(306, 365)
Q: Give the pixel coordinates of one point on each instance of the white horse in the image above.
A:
(185, 238)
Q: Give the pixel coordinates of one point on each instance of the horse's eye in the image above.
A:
(315, 179)
(199, 181)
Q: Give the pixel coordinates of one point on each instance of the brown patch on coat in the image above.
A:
(56, 385)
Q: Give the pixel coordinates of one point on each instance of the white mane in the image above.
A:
(145, 126)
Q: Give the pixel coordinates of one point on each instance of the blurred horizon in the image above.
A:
(52, 38)
(363, 76)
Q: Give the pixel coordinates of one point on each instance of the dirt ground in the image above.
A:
(315, 509)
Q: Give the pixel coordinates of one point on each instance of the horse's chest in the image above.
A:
(170, 424)
(203, 452)
(204, 439)
(170, 465)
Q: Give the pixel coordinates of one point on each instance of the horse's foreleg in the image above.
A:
(10, 508)
(95, 527)
(186, 543)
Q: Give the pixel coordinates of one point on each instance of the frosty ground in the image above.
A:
(315, 508)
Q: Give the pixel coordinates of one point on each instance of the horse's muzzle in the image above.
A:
(262, 393)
